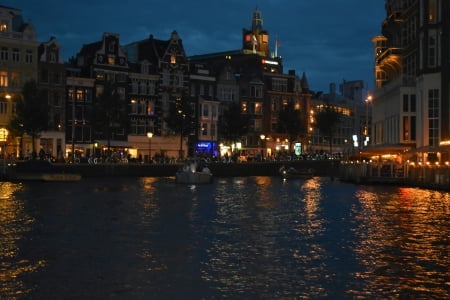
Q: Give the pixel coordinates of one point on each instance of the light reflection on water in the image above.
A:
(249, 237)
(404, 235)
(14, 224)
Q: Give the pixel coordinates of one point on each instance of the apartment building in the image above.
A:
(51, 79)
(253, 76)
(165, 68)
(169, 104)
(411, 103)
(18, 64)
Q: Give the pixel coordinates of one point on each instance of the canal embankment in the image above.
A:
(412, 175)
(219, 169)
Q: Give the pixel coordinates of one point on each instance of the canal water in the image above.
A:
(238, 238)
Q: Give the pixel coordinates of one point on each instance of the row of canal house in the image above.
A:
(159, 85)
(411, 101)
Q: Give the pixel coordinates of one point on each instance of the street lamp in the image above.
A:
(149, 135)
(183, 116)
(262, 137)
(4, 138)
(366, 129)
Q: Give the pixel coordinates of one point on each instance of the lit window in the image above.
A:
(100, 75)
(3, 79)
(173, 59)
(244, 107)
(3, 26)
(258, 108)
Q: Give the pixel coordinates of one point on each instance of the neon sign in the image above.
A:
(269, 62)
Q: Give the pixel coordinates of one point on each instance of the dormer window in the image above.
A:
(173, 59)
(53, 57)
(144, 68)
(112, 46)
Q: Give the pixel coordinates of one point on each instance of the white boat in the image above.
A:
(190, 175)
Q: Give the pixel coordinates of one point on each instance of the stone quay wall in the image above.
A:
(320, 167)
(426, 176)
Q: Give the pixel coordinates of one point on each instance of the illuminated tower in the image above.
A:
(256, 39)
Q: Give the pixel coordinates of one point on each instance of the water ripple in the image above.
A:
(238, 238)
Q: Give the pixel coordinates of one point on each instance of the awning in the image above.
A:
(387, 149)
(114, 143)
(428, 149)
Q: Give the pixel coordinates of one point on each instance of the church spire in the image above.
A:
(257, 21)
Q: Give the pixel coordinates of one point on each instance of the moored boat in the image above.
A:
(38, 170)
(291, 172)
(190, 174)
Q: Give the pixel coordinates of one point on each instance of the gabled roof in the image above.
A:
(90, 48)
(153, 50)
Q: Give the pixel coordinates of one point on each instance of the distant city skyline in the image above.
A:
(328, 40)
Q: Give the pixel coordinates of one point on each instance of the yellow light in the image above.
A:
(3, 134)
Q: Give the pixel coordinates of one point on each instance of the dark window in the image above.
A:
(413, 103)
(413, 128)
(405, 103)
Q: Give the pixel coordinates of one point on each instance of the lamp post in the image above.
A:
(262, 137)
(3, 139)
(149, 135)
(366, 129)
(181, 132)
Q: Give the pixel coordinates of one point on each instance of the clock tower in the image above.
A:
(256, 39)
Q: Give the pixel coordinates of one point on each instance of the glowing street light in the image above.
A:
(3, 138)
(149, 135)
(366, 129)
(262, 137)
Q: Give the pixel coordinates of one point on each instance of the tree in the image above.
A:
(327, 121)
(290, 122)
(109, 112)
(181, 119)
(31, 113)
(232, 123)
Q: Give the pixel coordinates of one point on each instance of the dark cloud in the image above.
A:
(329, 40)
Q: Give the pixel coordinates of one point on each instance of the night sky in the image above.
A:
(329, 40)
